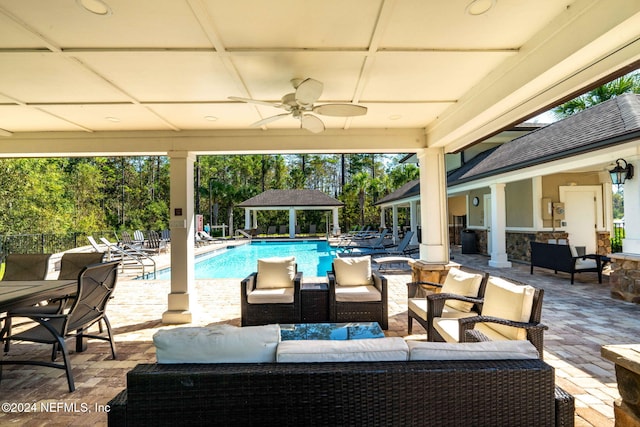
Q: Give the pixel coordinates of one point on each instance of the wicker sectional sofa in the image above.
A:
(500, 392)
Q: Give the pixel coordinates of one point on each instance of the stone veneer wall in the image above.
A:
(624, 279)
(518, 248)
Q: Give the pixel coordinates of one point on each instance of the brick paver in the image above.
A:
(581, 318)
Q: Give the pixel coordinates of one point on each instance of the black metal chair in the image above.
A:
(96, 284)
(26, 266)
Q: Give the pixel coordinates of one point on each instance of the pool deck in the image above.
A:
(581, 318)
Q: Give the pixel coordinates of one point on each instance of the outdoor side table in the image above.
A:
(314, 301)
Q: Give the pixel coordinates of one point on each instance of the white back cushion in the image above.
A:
(510, 301)
(353, 271)
(461, 283)
(486, 350)
(276, 272)
(217, 344)
(364, 350)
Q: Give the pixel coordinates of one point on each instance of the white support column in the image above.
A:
(254, 223)
(631, 242)
(433, 193)
(336, 226)
(394, 222)
(383, 223)
(413, 220)
(182, 237)
(247, 218)
(498, 227)
(292, 223)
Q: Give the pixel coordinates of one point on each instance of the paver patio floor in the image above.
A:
(581, 318)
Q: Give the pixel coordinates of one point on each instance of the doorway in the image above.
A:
(583, 214)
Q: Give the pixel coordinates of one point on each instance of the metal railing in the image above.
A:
(44, 243)
(616, 238)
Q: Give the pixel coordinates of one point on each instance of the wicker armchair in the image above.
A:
(462, 281)
(272, 294)
(498, 318)
(356, 294)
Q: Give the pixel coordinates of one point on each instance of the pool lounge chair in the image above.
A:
(401, 248)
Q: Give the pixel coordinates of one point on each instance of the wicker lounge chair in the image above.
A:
(510, 310)
(462, 281)
(272, 294)
(356, 294)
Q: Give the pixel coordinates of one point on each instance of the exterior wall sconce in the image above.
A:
(620, 174)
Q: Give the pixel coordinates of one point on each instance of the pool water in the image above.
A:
(314, 258)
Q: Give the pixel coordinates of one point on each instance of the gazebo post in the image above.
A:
(247, 218)
(292, 222)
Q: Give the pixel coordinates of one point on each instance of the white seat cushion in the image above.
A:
(510, 301)
(462, 283)
(449, 330)
(276, 272)
(364, 350)
(217, 344)
(357, 293)
(353, 271)
(585, 263)
(419, 306)
(271, 296)
(486, 350)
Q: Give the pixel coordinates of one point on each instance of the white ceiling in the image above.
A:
(170, 65)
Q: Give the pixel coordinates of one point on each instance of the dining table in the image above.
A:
(23, 293)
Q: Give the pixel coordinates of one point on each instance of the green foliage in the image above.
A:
(629, 83)
(127, 193)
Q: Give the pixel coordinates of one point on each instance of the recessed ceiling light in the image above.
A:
(395, 117)
(211, 118)
(113, 119)
(479, 7)
(97, 7)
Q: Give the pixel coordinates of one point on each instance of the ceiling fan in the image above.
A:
(300, 104)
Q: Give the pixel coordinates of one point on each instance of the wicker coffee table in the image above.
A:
(330, 331)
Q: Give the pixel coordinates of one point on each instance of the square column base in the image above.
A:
(176, 317)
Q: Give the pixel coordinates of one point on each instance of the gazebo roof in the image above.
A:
(285, 198)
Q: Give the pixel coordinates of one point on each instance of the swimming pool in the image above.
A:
(314, 258)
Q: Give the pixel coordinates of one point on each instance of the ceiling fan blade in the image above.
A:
(340, 110)
(308, 92)
(269, 120)
(312, 123)
(255, 101)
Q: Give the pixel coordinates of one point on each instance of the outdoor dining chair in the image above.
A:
(26, 266)
(71, 265)
(96, 284)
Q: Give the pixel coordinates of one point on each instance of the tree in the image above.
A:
(629, 83)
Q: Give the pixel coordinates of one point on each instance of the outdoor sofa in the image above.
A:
(565, 258)
(384, 381)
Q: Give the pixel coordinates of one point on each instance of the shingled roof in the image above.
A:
(411, 188)
(606, 124)
(286, 198)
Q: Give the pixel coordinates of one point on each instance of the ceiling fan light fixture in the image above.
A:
(479, 7)
(97, 7)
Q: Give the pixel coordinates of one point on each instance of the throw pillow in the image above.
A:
(510, 301)
(353, 271)
(461, 283)
(276, 272)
